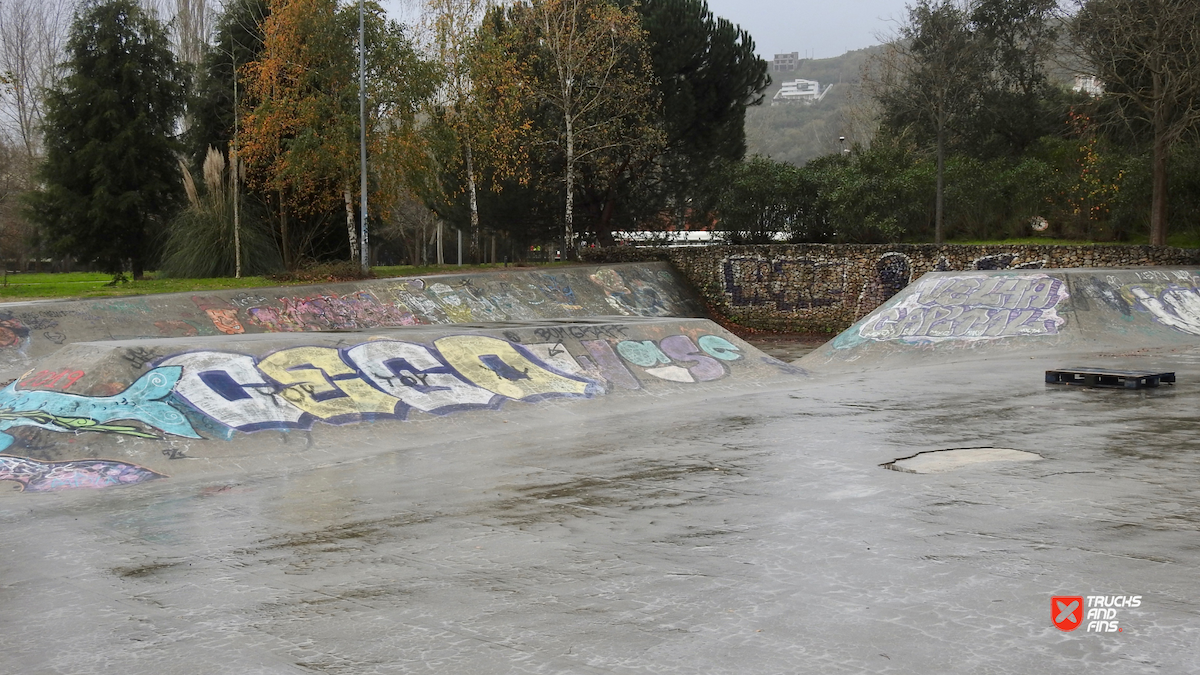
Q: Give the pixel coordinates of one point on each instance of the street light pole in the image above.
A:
(362, 136)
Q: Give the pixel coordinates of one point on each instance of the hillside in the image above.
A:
(796, 133)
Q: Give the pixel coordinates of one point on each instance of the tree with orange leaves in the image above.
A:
(300, 123)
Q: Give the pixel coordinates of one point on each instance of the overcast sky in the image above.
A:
(814, 28)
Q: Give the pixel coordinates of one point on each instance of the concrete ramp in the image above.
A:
(947, 316)
(102, 414)
(31, 330)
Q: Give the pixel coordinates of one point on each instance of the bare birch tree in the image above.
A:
(32, 35)
(452, 28)
(591, 68)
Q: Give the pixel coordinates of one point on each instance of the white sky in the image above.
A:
(814, 28)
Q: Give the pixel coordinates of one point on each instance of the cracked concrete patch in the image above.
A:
(941, 461)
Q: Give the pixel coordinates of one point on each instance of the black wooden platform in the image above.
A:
(1118, 379)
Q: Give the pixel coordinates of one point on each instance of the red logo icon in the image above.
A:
(1066, 611)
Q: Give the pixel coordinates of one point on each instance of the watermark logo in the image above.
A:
(1098, 613)
(1066, 611)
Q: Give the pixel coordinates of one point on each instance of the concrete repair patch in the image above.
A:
(941, 461)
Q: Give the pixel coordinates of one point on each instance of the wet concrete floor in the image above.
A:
(748, 531)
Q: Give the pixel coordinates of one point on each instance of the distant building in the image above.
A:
(800, 91)
(785, 62)
(1088, 84)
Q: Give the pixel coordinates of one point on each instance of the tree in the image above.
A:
(931, 79)
(31, 40)
(110, 175)
(1147, 53)
(588, 76)
(764, 200)
(237, 40)
(300, 122)
(455, 24)
(707, 75)
(1019, 104)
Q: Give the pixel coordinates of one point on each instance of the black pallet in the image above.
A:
(1116, 379)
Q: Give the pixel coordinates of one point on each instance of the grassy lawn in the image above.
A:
(96, 284)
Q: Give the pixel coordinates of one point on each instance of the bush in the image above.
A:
(200, 240)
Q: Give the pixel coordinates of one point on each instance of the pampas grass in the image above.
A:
(200, 239)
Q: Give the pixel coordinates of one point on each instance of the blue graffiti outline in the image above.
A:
(143, 401)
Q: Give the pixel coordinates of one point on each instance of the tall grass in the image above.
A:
(200, 241)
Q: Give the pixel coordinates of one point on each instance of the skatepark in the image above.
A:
(578, 472)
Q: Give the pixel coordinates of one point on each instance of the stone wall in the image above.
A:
(827, 287)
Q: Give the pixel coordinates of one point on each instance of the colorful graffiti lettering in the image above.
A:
(329, 312)
(143, 401)
(32, 475)
(13, 333)
(293, 388)
(225, 320)
(50, 379)
(971, 307)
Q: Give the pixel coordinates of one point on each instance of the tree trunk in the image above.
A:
(285, 243)
(440, 258)
(474, 203)
(568, 225)
(939, 232)
(1158, 193)
(351, 226)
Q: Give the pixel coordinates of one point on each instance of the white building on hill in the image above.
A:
(800, 91)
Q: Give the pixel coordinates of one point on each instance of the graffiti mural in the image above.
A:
(1171, 298)
(893, 272)
(788, 283)
(329, 311)
(972, 307)
(632, 297)
(383, 378)
(13, 333)
(143, 402)
(32, 475)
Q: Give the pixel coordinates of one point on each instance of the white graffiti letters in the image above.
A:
(228, 387)
(411, 373)
(972, 307)
(1175, 306)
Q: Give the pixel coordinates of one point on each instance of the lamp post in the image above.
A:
(362, 137)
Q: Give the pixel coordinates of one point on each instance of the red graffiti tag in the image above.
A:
(49, 379)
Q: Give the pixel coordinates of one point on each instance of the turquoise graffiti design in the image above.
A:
(141, 402)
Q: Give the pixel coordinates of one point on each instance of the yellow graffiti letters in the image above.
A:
(497, 366)
(318, 382)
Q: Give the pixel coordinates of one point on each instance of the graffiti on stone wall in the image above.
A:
(32, 475)
(1005, 261)
(144, 402)
(295, 387)
(971, 307)
(786, 283)
(893, 272)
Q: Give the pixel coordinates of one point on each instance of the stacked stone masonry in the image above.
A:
(817, 288)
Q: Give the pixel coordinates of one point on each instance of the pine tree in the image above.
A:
(111, 178)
